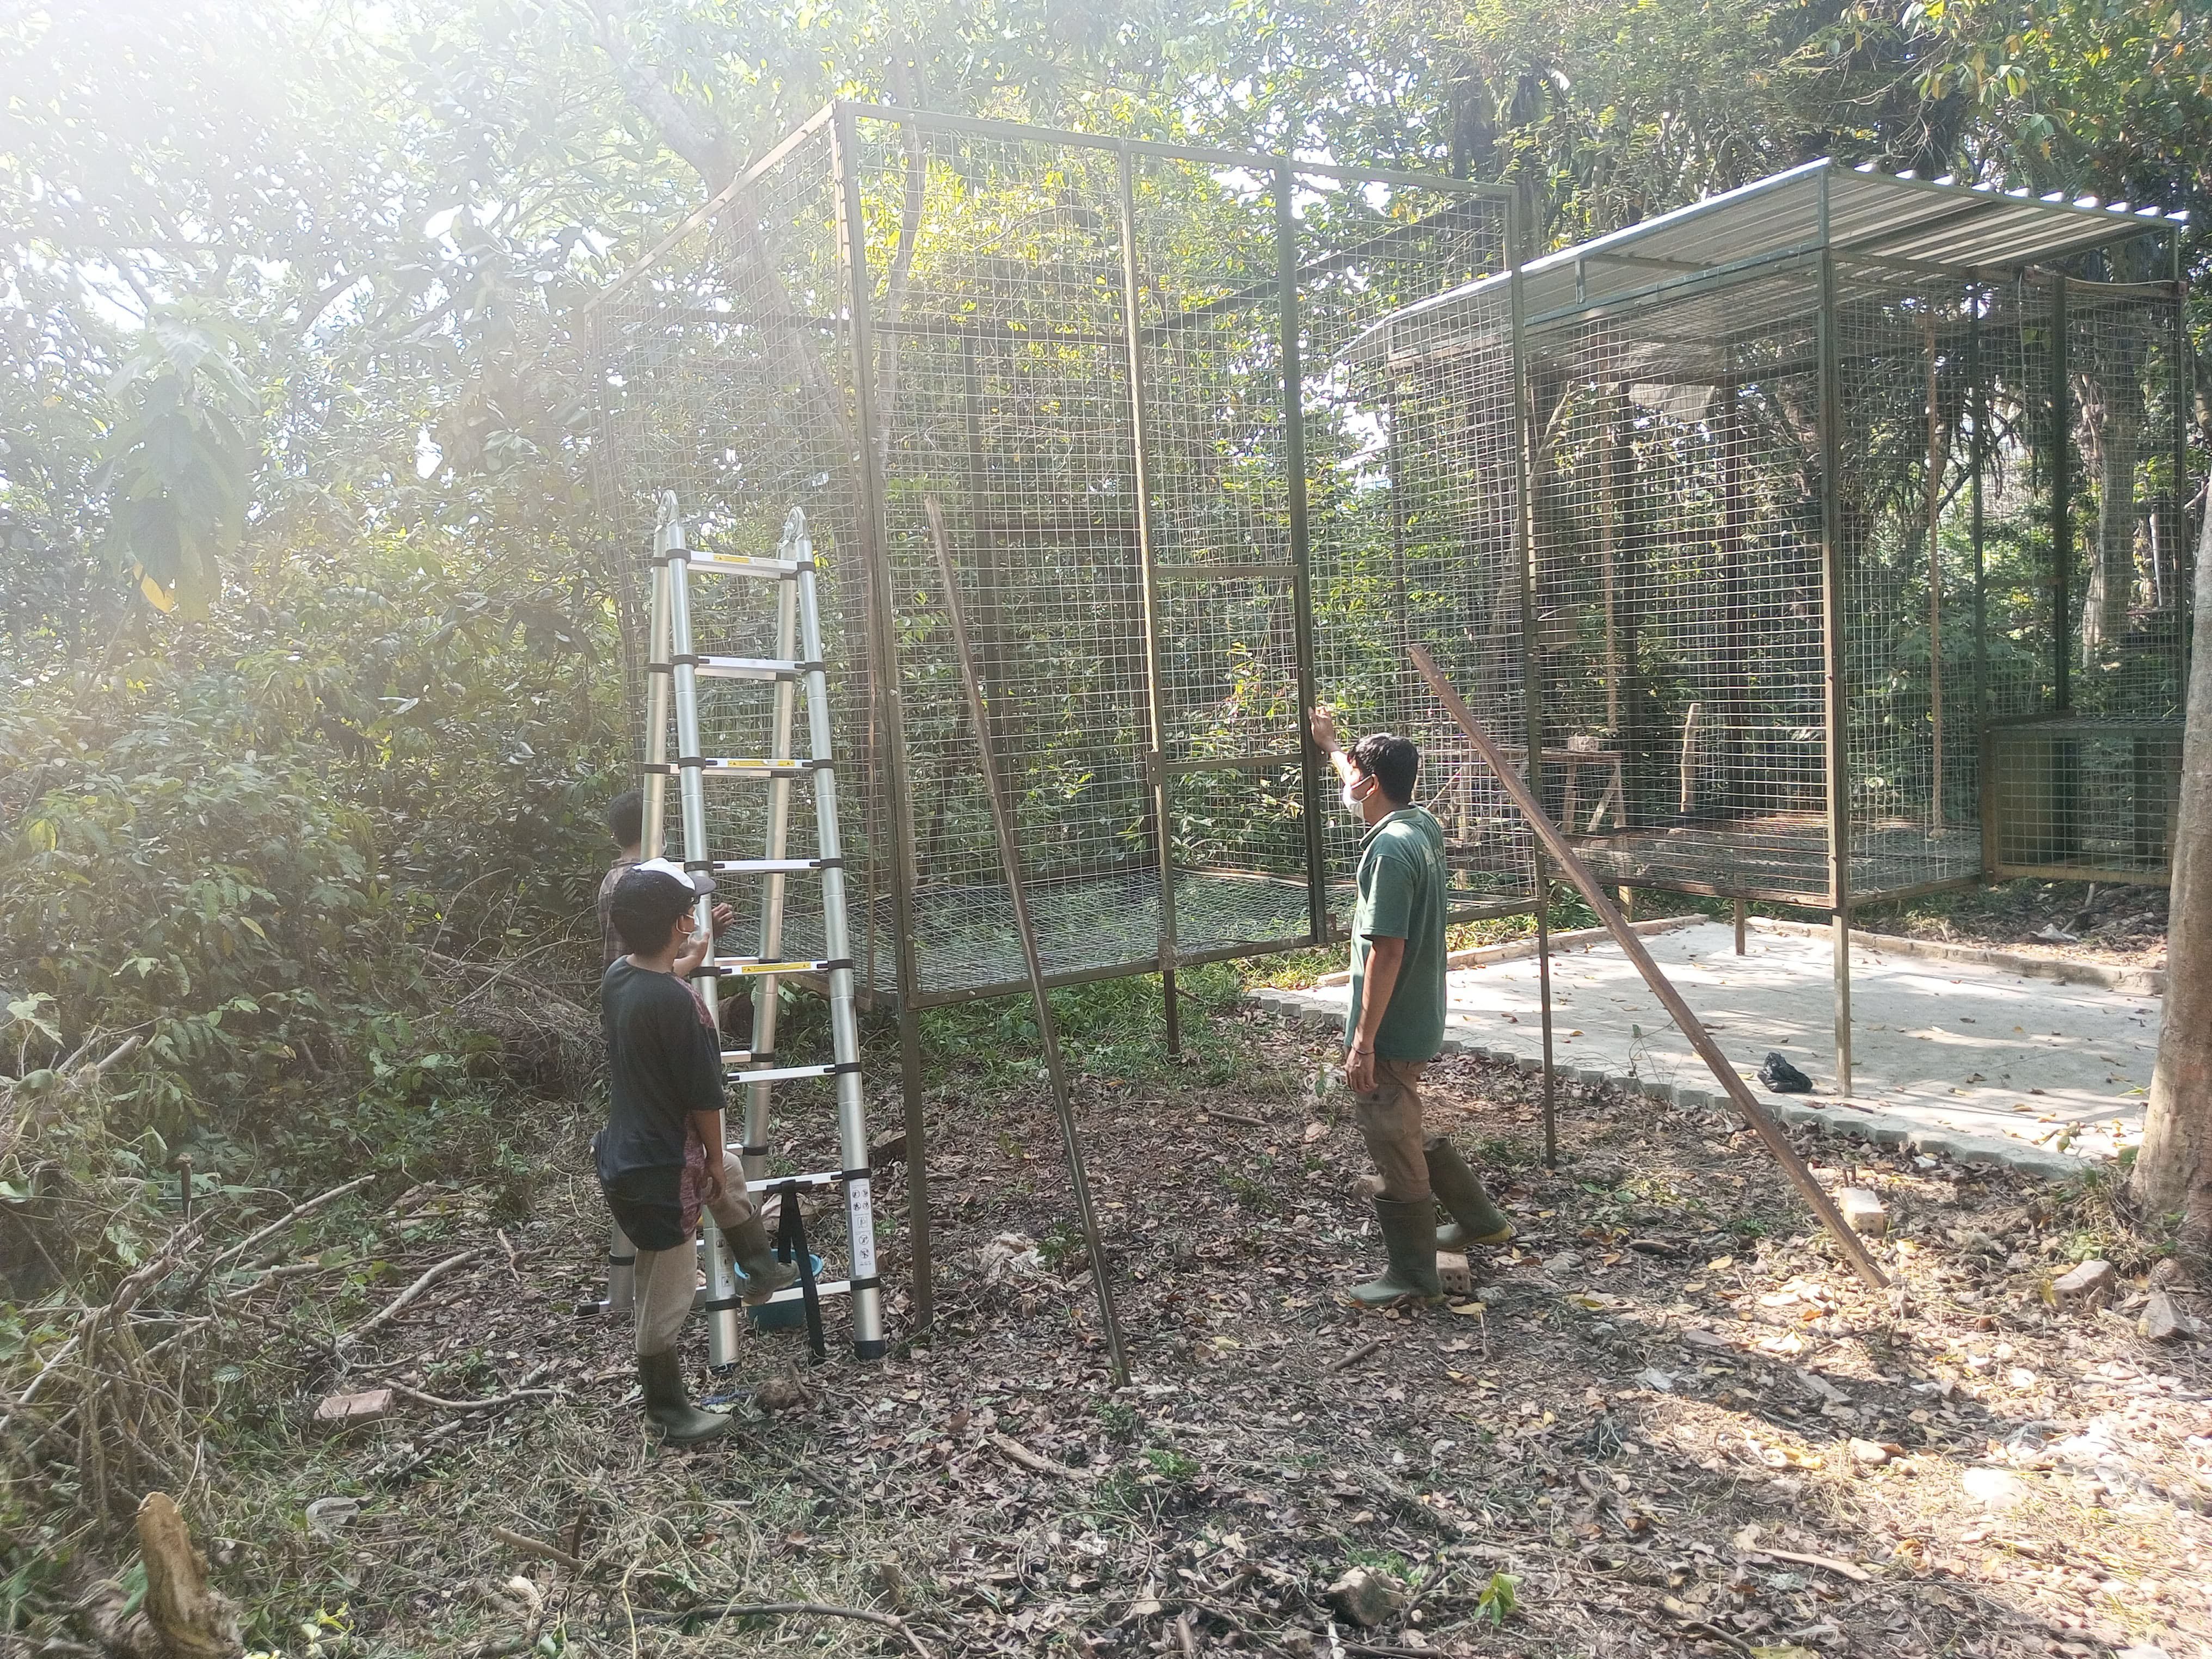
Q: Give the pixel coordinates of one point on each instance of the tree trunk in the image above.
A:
(2109, 400)
(2173, 1172)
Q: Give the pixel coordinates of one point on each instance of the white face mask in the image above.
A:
(1352, 801)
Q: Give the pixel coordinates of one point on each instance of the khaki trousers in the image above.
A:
(1390, 1123)
(668, 1279)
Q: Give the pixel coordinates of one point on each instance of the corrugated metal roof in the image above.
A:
(1869, 216)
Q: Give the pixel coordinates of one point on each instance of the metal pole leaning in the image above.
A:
(1853, 1247)
(1010, 860)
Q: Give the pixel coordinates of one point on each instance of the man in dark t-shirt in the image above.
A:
(660, 1156)
(626, 824)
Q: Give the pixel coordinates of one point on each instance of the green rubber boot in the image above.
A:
(765, 1274)
(1476, 1218)
(668, 1403)
(1409, 1238)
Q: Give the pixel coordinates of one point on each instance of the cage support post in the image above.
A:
(2062, 510)
(1853, 1247)
(1010, 859)
(1294, 464)
(1529, 549)
(1140, 448)
(2179, 391)
(1979, 457)
(883, 677)
(1833, 629)
(1735, 725)
(1934, 574)
(2064, 752)
(1739, 908)
(1544, 994)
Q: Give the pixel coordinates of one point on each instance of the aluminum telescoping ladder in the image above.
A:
(677, 666)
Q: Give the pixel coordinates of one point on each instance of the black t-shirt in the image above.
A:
(663, 1064)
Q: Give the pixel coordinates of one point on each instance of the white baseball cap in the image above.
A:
(697, 880)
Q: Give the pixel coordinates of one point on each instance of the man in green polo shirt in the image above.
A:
(1395, 1023)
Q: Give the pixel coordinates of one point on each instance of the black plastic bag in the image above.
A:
(1779, 1075)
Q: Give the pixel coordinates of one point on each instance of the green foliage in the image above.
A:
(1499, 1600)
(178, 883)
(180, 461)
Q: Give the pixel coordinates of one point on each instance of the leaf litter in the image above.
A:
(1606, 1450)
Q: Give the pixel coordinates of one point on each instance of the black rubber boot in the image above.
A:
(765, 1274)
(668, 1403)
(1409, 1236)
(1474, 1219)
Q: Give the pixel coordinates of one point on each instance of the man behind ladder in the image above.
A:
(1396, 1024)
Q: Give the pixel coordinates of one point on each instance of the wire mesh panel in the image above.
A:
(1213, 434)
(1905, 357)
(1412, 454)
(724, 383)
(1083, 353)
(1679, 608)
(2085, 772)
(1000, 388)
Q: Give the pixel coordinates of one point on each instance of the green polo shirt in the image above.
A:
(1402, 896)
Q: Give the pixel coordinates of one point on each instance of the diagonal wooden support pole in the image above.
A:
(1854, 1248)
(1002, 820)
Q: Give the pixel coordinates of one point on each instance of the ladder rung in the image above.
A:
(751, 668)
(774, 867)
(798, 1293)
(729, 564)
(732, 1057)
(702, 1299)
(742, 767)
(749, 966)
(780, 1074)
(822, 1178)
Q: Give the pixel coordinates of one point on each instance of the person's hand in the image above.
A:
(1359, 1071)
(723, 917)
(711, 1178)
(1323, 725)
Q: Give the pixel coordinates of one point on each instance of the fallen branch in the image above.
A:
(125, 1298)
(391, 1310)
(421, 1399)
(282, 1222)
(1237, 1118)
(538, 1547)
(1018, 1453)
(1358, 1354)
(1691, 1626)
(432, 1443)
(1850, 1570)
(802, 1610)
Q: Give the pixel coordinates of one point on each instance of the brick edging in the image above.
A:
(2109, 976)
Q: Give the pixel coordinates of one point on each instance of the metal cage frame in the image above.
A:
(1853, 332)
(1396, 442)
(1138, 285)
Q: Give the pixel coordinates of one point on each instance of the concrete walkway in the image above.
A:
(1937, 1045)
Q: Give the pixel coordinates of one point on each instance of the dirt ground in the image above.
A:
(1636, 1439)
(2124, 925)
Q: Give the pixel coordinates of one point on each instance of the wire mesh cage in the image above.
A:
(1113, 366)
(1811, 469)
